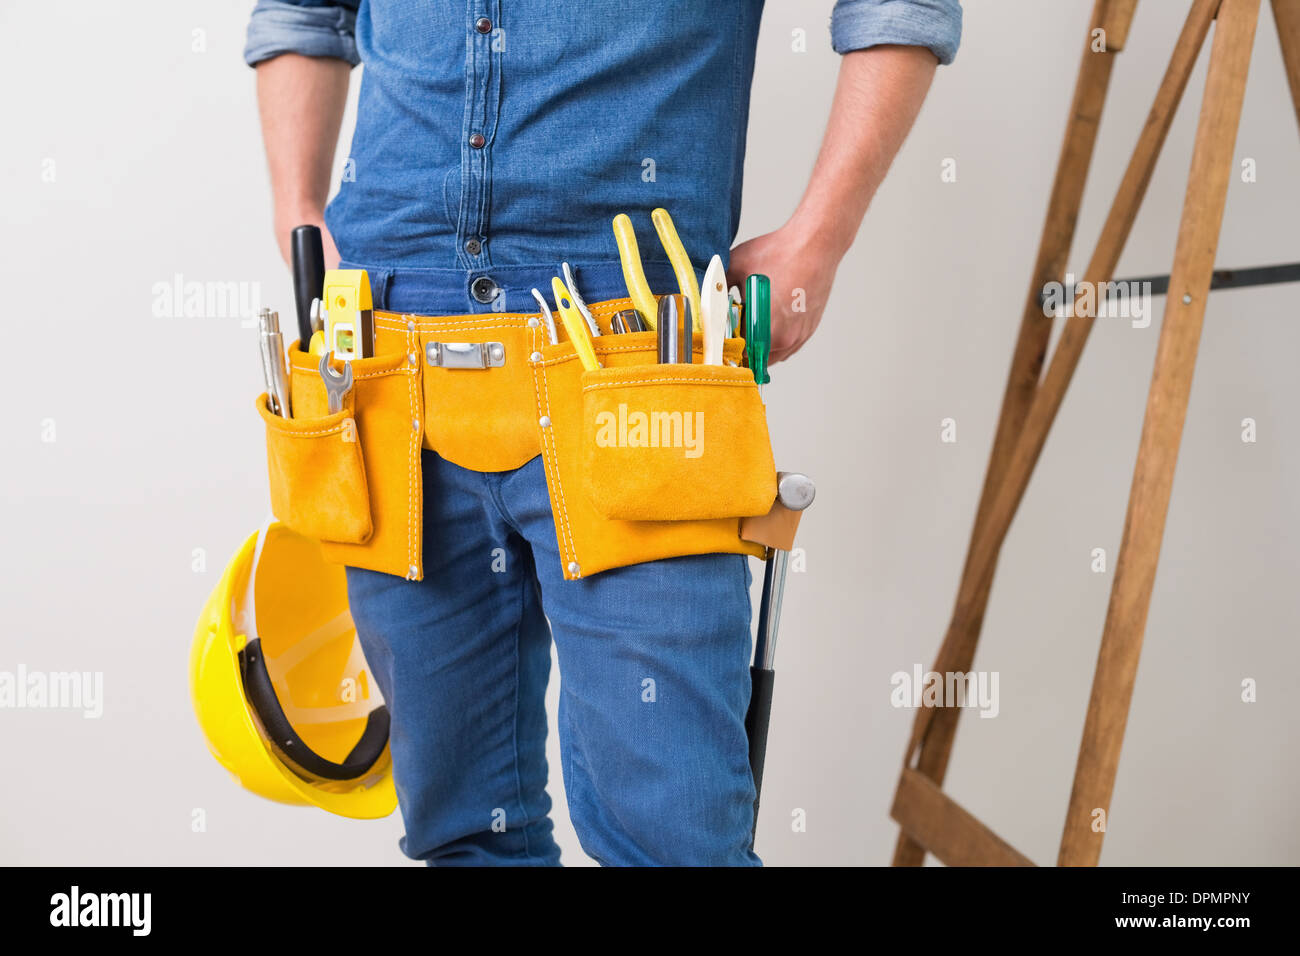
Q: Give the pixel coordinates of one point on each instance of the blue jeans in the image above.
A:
(654, 667)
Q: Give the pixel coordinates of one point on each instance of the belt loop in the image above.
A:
(380, 284)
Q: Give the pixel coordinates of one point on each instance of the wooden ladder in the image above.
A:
(929, 819)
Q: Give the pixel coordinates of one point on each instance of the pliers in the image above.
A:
(634, 275)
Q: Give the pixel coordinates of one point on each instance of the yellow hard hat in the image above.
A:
(280, 683)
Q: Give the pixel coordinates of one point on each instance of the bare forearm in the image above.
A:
(879, 93)
(301, 101)
(877, 98)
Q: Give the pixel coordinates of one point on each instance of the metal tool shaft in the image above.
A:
(769, 611)
(666, 324)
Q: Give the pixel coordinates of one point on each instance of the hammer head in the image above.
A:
(794, 490)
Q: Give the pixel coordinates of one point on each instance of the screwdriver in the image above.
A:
(758, 326)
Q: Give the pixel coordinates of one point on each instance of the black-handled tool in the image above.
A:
(308, 258)
(795, 492)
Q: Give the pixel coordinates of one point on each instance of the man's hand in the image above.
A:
(802, 269)
(877, 97)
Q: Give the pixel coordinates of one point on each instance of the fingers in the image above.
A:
(780, 355)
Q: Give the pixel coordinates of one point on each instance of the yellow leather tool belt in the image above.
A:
(643, 461)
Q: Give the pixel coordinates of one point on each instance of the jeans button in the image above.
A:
(483, 25)
(473, 247)
(483, 289)
(477, 140)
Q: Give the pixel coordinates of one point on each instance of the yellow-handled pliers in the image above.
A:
(687, 284)
(633, 274)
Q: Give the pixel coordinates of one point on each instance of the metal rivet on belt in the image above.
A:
(574, 569)
(535, 357)
(412, 572)
(415, 424)
(412, 358)
(484, 289)
(534, 322)
(410, 324)
(497, 352)
(544, 421)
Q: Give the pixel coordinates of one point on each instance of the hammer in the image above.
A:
(794, 492)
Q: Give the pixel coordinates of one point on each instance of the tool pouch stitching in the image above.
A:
(550, 458)
(588, 540)
(317, 476)
(384, 416)
(675, 443)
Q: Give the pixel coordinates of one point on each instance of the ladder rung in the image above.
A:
(1219, 279)
(939, 824)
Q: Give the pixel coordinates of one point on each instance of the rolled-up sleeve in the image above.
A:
(309, 27)
(858, 24)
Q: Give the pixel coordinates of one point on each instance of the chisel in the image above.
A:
(308, 257)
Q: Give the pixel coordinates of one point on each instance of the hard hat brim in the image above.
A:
(228, 723)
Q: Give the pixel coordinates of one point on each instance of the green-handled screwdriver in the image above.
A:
(758, 326)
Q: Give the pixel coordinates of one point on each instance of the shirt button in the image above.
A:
(473, 247)
(483, 289)
(483, 25)
(477, 141)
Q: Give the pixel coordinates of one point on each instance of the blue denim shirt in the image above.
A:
(496, 138)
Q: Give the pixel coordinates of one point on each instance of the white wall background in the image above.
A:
(159, 171)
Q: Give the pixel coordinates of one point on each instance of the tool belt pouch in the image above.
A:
(676, 443)
(579, 477)
(318, 480)
(352, 479)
